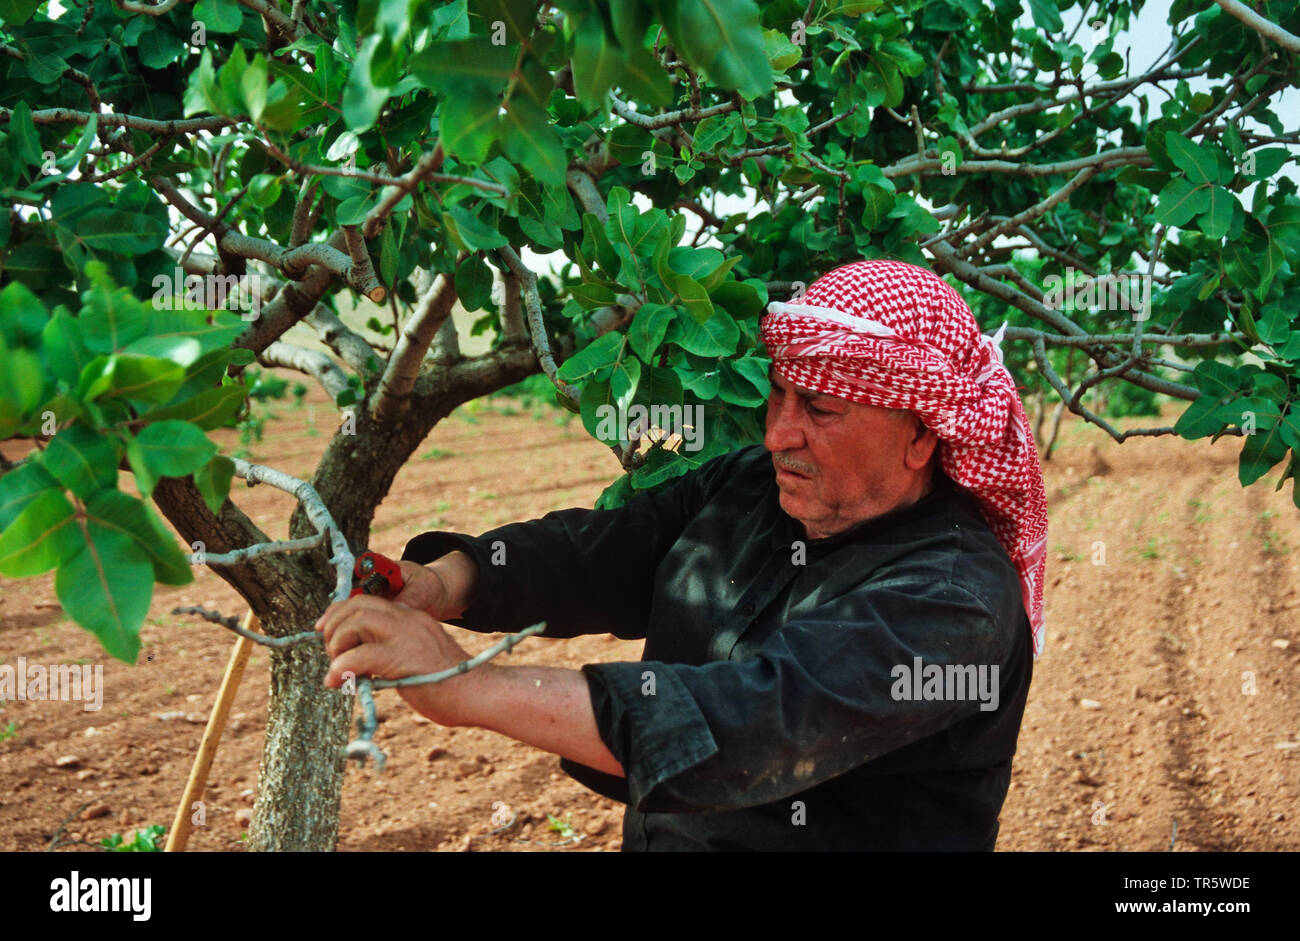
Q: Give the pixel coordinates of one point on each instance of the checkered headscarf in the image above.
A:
(894, 335)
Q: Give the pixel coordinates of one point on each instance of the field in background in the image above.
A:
(1171, 592)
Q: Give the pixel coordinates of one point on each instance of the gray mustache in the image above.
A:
(797, 466)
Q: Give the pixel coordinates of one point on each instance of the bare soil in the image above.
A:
(1164, 711)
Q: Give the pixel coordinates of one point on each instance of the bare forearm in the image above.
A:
(547, 707)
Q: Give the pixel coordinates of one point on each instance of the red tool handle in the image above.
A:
(374, 574)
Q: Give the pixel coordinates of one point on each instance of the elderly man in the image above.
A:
(840, 625)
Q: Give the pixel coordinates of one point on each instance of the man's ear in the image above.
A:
(920, 448)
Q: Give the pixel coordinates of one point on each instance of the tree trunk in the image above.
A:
(300, 783)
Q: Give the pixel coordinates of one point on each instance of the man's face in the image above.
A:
(839, 462)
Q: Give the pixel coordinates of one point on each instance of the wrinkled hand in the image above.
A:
(372, 636)
(424, 590)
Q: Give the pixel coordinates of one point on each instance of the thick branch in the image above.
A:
(294, 301)
(669, 118)
(292, 262)
(312, 362)
(584, 189)
(1266, 28)
(1137, 156)
(111, 119)
(362, 267)
(348, 344)
(417, 333)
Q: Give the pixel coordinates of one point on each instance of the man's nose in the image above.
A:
(784, 431)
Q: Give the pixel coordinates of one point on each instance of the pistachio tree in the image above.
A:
(617, 190)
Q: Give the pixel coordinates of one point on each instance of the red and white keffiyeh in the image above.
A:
(894, 335)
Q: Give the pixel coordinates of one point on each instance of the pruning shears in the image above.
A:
(374, 574)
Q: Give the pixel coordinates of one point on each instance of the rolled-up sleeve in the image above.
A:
(814, 702)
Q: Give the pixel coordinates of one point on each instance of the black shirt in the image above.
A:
(774, 706)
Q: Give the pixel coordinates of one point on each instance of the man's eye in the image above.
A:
(819, 411)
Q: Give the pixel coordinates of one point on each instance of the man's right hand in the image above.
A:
(442, 588)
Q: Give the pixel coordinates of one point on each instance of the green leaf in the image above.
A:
(130, 516)
(468, 123)
(529, 140)
(36, 266)
(20, 487)
(658, 386)
(473, 281)
(878, 202)
(1260, 452)
(648, 329)
(450, 67)
(594, 232)
(1268, 161)
(717, 336)
(1216, 379)
(1196, 160)
(17, 12)
(737, 298)
(599, 353)
(43, 66)
(127, 233)
(592, 296)
(722, 37)
(645, 80)
(623, 381)
(24, 316)
(253, 85)
(106, 588)
(694, 297)
(1180, 202)
(744, 388)
(353, 210)
(82, 459)
(1217, 218)
(1290, 432)
(209, 409)
(171, 448)
(1275, 326)
(22, 385)
(1046, 16)
(26, 142)
(362, 99)
(518, 16)
(159, 48)
(472, 234)
(213, 481)
(594, 409)
(129, 376)
(596, 62)
(44, 535)
(220, 16)
(181, 350)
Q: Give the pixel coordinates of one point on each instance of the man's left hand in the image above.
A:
(371, 636)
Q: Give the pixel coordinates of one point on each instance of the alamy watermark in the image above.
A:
(956, 681)
(1130, 291)
(241, 294)
(69, 682)
(102, 894)
(683, 422)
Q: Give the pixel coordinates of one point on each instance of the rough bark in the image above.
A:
(301, 779)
